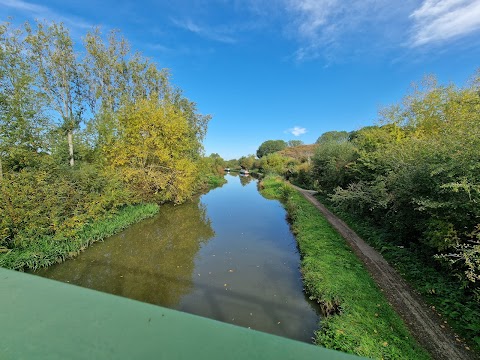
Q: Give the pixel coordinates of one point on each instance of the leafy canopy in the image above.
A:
(270, 146)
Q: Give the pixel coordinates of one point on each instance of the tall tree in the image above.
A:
(270, 146)
(293, 143)
(59, 75)
(329, 136)
(247, 162)
(105, 66)
(152, 150)
(22, 120)
(119, 78)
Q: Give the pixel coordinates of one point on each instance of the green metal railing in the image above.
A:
(45, 319)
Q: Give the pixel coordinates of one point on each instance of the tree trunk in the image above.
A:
(70, 146)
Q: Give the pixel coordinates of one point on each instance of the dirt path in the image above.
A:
(425, 325)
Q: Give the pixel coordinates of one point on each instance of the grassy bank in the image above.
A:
(47, 251)
(358, 318)
(439, 289)
(214, 181)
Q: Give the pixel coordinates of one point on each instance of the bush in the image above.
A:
(55, 203)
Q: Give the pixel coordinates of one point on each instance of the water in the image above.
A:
(228, 255)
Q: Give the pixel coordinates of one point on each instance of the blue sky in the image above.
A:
(284, 69)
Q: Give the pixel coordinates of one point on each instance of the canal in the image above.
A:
(228, 255)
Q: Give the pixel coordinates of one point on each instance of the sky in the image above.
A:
(284, 69)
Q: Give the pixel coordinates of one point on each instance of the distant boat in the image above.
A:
(227, 169)
(244, 172)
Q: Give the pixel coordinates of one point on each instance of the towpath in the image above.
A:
(425, 325)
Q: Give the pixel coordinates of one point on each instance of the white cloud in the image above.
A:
(215, 34)
(441, 20)
(336, 29)
(313, 15)
(297, 131)
(41, 12)
(24, 6)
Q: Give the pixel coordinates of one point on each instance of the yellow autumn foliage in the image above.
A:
(153, 150)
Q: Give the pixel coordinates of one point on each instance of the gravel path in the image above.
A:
(425, 325)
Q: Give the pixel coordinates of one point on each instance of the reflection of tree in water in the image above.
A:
(245, 179)
(151, 261)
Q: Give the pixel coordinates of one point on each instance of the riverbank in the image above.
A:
(358, 318)
(214, 181)
(441, 291)
(47, 250)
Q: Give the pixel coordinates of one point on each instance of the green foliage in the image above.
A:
(23, 123)
(247, 162)
(55, 204)
(358, 318)
(294, 143)
(277, 164)
(152, 149)
(232, 164)
(214, 181)
(416, 178)
(333, 136)
(468, 255)
(213, 164)
(144, 142)
(58, 73)
(332, 164)
(270, 146)
(438, 288)
(48, 250)
(211, 172)
(302, 153)
(302, 176)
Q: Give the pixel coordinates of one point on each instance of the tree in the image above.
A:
(293, 143)
(197, 121)
(152, 150)
(105, 66)
(59, 75)
(213, 165)
(23, 124)
(246, 162)
(232, 163)
(332, 164)
(418, 175)
(119, 78)
(329, 136)
(277, 164)
(270, 146)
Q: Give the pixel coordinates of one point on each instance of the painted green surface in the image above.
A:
(45, 319)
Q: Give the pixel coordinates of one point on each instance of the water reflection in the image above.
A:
(152, 261)
(245, 179)
(228, 255)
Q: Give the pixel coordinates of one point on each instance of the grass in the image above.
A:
(438, 289)
(215, 181)
(358, 319)
(47, 251)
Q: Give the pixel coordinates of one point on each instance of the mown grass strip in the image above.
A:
(47, 251)
(358, 319)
